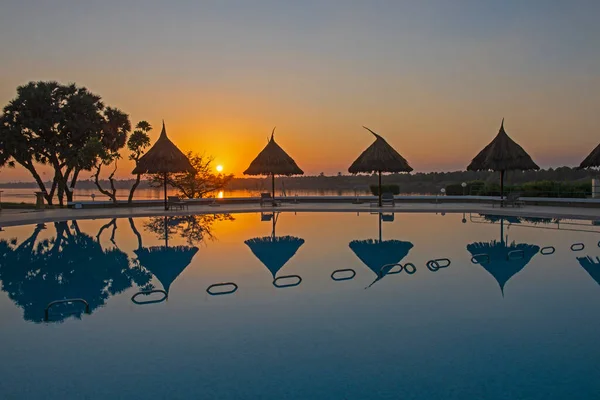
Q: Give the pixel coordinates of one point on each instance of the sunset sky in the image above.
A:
(434, 77)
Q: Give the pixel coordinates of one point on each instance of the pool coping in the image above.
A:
(15, 218)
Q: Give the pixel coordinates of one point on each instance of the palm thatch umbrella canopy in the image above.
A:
(274, 251)
(375, 253)
(593, 160)
(164, 262)
(379, 157)
(502, 154)
(273, 160)
(499, 265)
(163, 158)
(591, 266)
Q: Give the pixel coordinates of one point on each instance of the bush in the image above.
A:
(551, 189)
(472, 188)
(394, 189)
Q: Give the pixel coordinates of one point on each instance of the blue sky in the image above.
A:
(434, 77)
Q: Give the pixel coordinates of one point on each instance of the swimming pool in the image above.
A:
(513, 315)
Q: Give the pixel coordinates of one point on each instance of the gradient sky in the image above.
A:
(434, 77)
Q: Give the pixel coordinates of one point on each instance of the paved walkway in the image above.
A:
(22, 217)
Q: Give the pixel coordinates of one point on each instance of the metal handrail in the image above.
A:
(288, 284)
(216, 285)
(343, 278)
(147, 293)
(53, 303)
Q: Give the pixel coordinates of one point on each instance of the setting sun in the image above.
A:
(219, 168)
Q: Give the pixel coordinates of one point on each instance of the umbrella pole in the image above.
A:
(165, 191)
(502, 188)
(380, 217)
(379, 188)
(273, 188)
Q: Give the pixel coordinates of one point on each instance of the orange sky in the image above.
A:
(435, 81)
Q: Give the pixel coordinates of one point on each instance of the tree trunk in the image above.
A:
(135, 185)
(108, 194)
(29, 167)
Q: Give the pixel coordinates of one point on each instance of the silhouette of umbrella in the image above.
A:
(591, 266)
(592, 160)
(375, 253)
(71, 265)
(273, 160)
(502, 154)
(499, 265)
(163, 158)
(379, 157)
(274, 251)
(164, 262)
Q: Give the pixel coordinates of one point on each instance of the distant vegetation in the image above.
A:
(528, 189)
(559, 180)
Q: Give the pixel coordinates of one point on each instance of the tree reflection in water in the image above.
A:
(72, 264)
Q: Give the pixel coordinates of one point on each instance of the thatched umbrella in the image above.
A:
(375, 253)
(591, 266)
(164, 262)
(274, 251)
(502, 154)
(163, 158)
(273, 160)
(499, 265)
(379, 157)
(592, 160)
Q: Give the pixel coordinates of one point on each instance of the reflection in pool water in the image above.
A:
(500, 259)
(442, 334)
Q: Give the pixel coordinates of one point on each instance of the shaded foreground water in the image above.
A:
(513, 315)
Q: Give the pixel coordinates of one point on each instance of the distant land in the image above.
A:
(422, 183)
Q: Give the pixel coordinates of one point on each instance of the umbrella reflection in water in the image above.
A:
(591, 266)
(376, 253)
(274, 251)
(502, 265)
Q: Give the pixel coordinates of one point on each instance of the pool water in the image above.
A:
(501, 321)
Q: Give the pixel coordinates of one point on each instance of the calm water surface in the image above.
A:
(519, 325)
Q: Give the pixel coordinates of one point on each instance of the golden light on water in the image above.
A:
(219, 168)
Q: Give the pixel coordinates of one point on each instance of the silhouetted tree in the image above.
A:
(63, 126)
(137, 143)
(196, 185)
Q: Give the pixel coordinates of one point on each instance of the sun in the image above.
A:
(219, 168)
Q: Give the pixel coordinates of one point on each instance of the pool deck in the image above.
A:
(11, 217)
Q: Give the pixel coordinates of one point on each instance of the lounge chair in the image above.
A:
(511, 199)
(176, 202)
(387, 199)
(267, 199)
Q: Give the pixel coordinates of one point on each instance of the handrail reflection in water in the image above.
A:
(435, 264)
(67, 301)
(147, 293)
(234, 288)
(548, 250)
(286, 285)
(343, 271)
